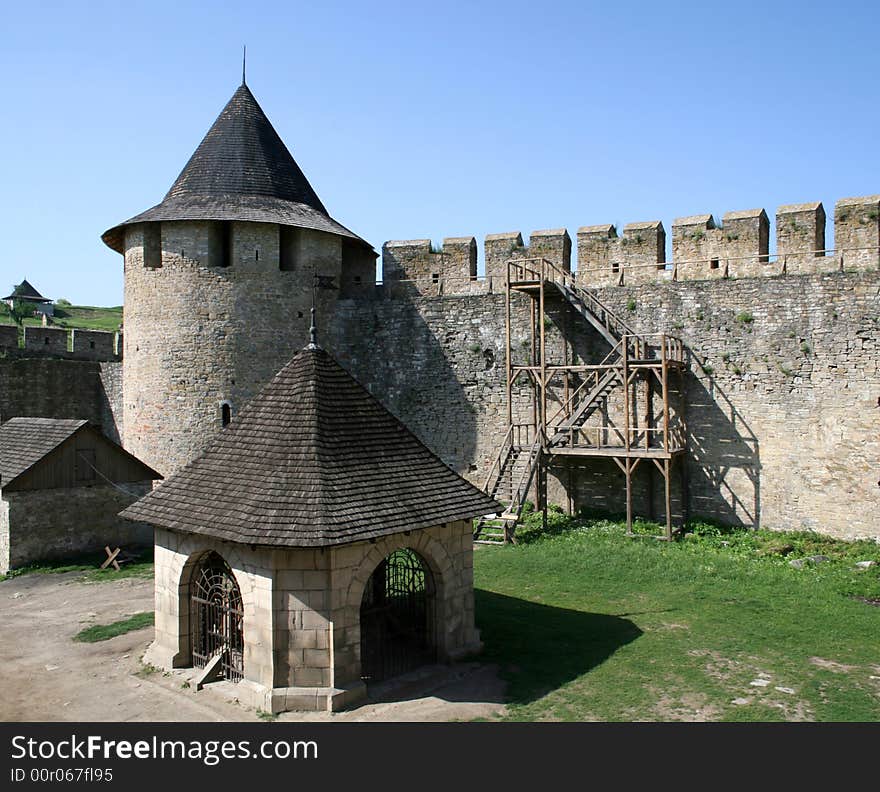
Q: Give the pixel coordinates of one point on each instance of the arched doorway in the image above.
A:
(216, 615)
(397, 617)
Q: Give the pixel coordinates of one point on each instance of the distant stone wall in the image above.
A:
(46, 387)
(60, 342)
(59, 523)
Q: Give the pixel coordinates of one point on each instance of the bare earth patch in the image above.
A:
(52, 678)
(749, 684)
(832, 665)
(690, 707)
(717, 666)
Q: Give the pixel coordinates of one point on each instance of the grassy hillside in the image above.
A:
(86, 317)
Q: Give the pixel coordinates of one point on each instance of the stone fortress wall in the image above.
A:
(59, 342)
(702, 248)
(51, 372)
(784, 349)
(784, 375)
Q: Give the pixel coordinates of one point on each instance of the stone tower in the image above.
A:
(219, 279)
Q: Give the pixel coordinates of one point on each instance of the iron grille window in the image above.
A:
(217, 617)
(397, 617)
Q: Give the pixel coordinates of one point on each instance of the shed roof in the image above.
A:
(241, 171)
(314, 460)
(26, 441)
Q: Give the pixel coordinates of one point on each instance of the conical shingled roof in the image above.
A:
(313, 461)
(241, 171)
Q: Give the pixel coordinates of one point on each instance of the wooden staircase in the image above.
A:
(508, 482)
(592, 394)
(518, 461)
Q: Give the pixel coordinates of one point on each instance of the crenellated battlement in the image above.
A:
(702, 248)
(75, 344)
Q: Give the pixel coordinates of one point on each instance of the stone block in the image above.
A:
(553, 245)
(304, 639)
(313, 621)
(598, 255)
(51, 340)
(800, 236)
(311, 677)
(857, 232)
(314, 581)
(290, 580)
(8, 337)
(316, 658)
(745, 243)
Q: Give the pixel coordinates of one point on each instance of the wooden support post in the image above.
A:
(568, 488)
(666, 477)
(543, 350)
(532, 362)
(507, 343)
(664, 370)
(629, 503)
(626, 388)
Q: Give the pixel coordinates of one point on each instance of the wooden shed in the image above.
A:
(62, 486)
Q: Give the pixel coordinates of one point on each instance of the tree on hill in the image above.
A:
(21, 310)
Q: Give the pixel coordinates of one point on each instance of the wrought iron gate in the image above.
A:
(397, 618)
(216, 616)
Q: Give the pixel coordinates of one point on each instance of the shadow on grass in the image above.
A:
(539, 648)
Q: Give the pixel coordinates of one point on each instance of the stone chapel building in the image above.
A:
(314, 547)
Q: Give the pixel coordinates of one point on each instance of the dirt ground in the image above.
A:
(50, 677)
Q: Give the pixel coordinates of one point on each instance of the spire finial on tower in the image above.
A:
(313, 332)
(313, 327)
(243, 64)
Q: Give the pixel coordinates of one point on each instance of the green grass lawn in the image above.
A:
(587, 624)
(85, 317)
(104, 632)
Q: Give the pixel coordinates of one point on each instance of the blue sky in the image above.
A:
(420, 120)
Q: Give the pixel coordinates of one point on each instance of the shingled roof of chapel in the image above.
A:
(313, 461)
(241, 171)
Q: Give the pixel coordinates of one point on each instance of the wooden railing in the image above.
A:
(504, 449)
(519, 492)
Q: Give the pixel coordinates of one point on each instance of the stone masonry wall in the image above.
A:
(60, 342)
(737, 246)
(782, 396)
(782, 418)
(198, 334)
(46, 524)
(45, 387)
(302, 637)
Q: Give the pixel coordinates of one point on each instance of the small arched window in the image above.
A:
(225, 413)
